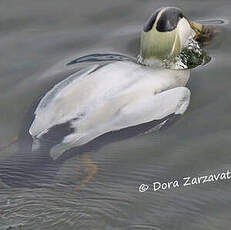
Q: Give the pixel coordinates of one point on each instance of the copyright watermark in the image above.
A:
(143, 188)
(185, 181)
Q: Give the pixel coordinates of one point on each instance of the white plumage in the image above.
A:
(110, 97)
(100, 99)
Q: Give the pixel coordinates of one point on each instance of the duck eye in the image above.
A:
(169, 19)
(149, 24)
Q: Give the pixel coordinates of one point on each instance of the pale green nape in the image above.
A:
(159, 45)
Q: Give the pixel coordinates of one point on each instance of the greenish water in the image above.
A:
(37, 39)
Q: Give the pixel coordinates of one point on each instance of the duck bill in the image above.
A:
(197, 28)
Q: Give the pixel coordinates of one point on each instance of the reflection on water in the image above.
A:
(101, 58)
(35, 36)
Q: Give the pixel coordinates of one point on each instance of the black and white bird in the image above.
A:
(104, 98)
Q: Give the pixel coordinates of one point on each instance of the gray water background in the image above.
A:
(37, 38)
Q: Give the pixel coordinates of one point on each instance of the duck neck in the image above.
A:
(152, 62)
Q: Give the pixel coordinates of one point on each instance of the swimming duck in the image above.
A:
(104, 98)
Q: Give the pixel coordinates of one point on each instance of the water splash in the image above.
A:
(190, 57)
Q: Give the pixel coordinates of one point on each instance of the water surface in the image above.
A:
(37, 39)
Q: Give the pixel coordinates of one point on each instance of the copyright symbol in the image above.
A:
(143, 188)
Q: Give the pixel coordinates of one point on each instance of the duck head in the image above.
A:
(165, 34)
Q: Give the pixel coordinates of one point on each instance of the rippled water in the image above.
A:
(37, 39)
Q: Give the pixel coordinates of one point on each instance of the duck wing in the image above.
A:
(101, 99)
